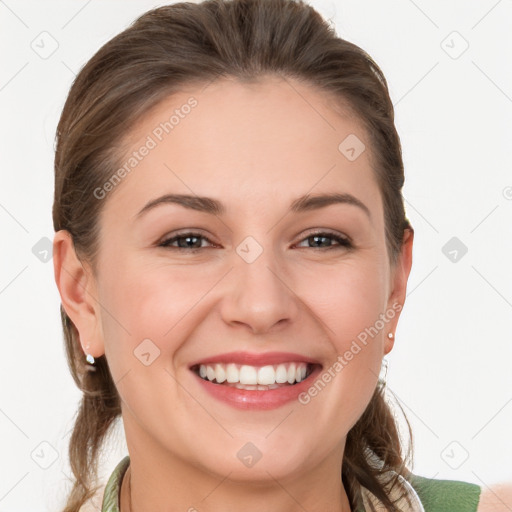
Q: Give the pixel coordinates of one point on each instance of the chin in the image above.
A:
(258, 462)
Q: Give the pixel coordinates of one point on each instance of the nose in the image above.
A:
(259, 296)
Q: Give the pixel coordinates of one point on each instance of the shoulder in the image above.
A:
(113, 487)
(446, 495)
(106, 498)
(497, 498)
(454, 495)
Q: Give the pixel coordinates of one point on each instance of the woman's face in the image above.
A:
(251, 286)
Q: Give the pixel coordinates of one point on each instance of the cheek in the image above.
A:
(350, 302)
(348, 299)
(147, 301)
(143, 309)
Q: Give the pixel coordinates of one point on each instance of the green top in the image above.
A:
(428, 495)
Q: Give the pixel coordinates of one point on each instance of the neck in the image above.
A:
(158, 479)
(144, 489)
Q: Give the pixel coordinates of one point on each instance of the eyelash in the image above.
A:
(344, 242)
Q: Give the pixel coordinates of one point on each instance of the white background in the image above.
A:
(451, 364)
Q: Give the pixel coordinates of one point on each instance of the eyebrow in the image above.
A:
(212, 206)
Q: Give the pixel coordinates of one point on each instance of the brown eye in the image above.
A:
(320, 237)
(191, 241)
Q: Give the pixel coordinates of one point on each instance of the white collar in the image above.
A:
(371, 503)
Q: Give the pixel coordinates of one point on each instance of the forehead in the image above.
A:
(259, 144)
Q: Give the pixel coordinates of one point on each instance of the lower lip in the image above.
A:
(256, 399)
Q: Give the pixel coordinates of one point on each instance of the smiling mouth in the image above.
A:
(255, 378)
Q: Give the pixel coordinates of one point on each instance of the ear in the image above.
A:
(398, 285)
(76, 285)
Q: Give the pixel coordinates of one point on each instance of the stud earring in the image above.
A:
(88, 357)
(391, 335)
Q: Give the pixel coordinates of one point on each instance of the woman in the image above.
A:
(232, 255)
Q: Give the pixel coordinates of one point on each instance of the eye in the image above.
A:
(318, 237)
(190, 241)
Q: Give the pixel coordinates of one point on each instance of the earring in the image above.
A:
(391, 335)
(88, 357)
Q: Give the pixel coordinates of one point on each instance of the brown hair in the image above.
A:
(164, 51)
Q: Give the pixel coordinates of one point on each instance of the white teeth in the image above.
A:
(301, 373)
(291, 373)
(253, 388)
(281, 374)
(266, 375)
(220, 373)
(232, 373)
(254, 377)
(248, 375)
(210, 373)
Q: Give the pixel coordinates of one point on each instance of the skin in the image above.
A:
(256, 148)
(496, 498)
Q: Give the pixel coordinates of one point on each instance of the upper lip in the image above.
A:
(255, 359)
